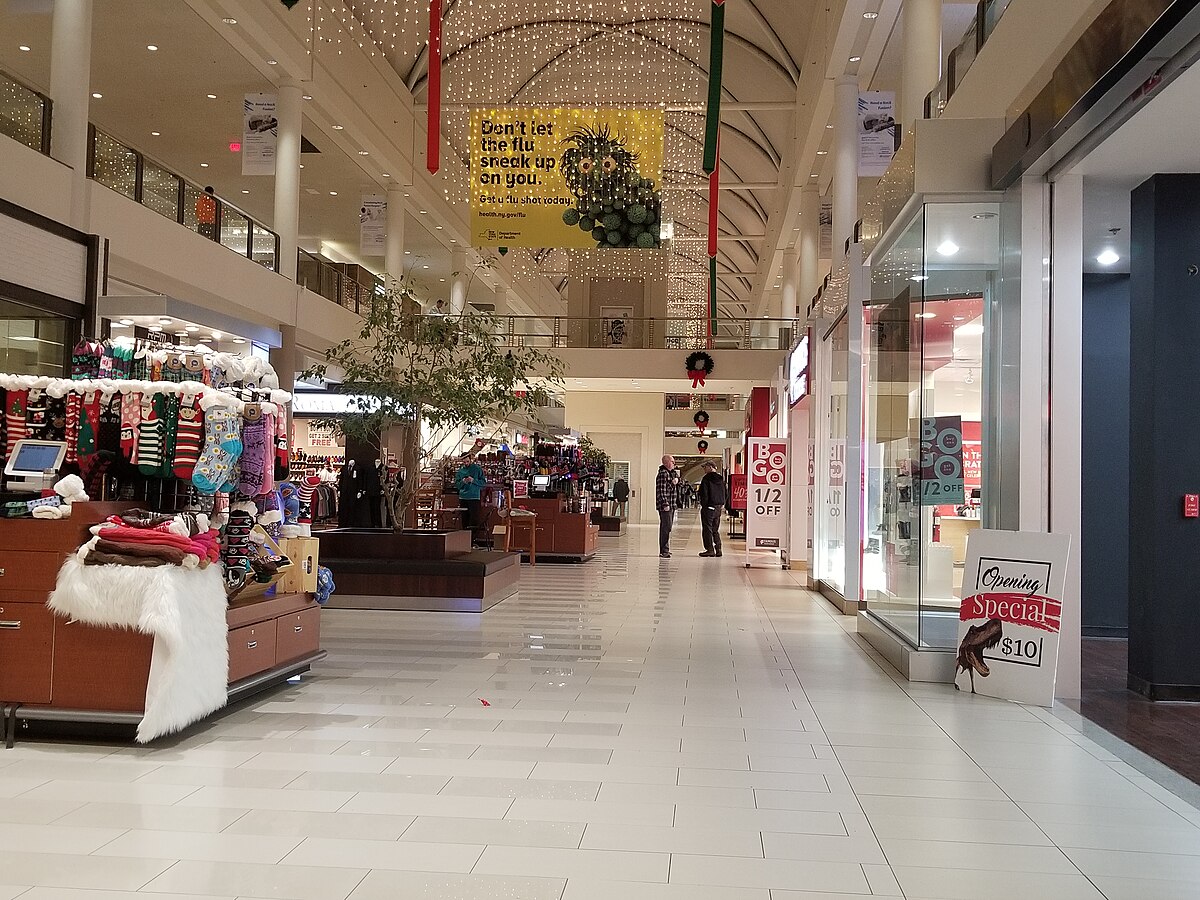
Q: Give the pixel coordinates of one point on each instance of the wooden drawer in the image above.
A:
(251, 650)
(100, 668)
(297, 635)
(26, 652)
(29, 570)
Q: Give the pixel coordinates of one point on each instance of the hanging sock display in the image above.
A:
(433, 126)
(716, 62)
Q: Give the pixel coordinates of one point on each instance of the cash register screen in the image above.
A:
(33, 458)
(541, 482)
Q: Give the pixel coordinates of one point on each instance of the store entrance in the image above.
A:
(34, 341)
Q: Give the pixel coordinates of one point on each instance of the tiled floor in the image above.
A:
(657, 730)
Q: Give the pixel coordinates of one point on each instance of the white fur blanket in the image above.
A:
(185, 611)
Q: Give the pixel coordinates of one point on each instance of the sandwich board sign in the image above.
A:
(767, 496)
(1011, 615)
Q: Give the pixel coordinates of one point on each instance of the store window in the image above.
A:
(927, 358)
(33, 342)
(830, 549)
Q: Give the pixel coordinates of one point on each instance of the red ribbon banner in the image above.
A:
(1044, 613)
(433, 147)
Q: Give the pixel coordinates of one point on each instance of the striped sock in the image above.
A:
(189, 437)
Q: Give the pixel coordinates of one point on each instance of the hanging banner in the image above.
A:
(372, 225)
(767, 502)
(1011, 615)
(876, 132)
(942, 461)
(260, 130)
(572, 178)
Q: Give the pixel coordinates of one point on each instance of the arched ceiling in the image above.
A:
(632, 53)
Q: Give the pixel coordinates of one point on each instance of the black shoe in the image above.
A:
(707, 553)
(718, 553)
(665, 555)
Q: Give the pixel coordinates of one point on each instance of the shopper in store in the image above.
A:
(712, 499)
(206, 213)
(620, 495)
(470, 481)
(666, 492)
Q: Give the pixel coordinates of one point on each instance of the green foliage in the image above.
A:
(407, 369)
(596, 459)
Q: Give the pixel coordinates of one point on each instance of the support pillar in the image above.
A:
(791, 286)
(845, 163)
(809, 256)
(289, 111)
(501, 299)
(71, 91)
(393, 252)
(458, 287)
(921, 66)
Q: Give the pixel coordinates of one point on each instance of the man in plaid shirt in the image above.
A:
(666, 498)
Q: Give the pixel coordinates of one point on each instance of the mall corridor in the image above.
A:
(640, 729)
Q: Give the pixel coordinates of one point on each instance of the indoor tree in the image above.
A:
(406, 370)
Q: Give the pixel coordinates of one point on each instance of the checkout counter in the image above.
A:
(564, 527)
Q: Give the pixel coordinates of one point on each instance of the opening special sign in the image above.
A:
(1011, 615)
(572, 178)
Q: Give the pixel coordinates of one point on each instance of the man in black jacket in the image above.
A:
(712, 499)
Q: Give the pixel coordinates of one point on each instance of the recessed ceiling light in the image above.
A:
(204, 165)
(193, 328)
(155, 133)
(244, 191)
(441, 279)
(830, 127)
(23, 49)
(152, 47)
(164, 320)
(211, 96)
(154, 328)
(453, 241)
(408, 253)
(333, 193)
(424, 267)
(870, 15)
(822, 153)
(117, 325)
(1109, 257)
(926, 315)
(239, 340)
(216, 335)
(919, 278)
(439, 228)
(229, 20)
(96, 95)
(948, 248)
(814, 175)
(337, 127)
(363, 153)
(272, 62)
(855, 59)
(423, 212)
(127, 322)
(385, 175)
(302, 165)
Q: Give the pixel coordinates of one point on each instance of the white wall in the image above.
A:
(620, 423)
(33, 181)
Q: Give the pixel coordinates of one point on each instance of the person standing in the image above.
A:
(470, 482)
(666, 493)
(206, 214)
(620, 495)
(712, 499)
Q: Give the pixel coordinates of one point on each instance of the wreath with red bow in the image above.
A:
(701, 420)
(699, 366)
(702, 446)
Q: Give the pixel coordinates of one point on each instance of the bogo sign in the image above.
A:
(767, 500)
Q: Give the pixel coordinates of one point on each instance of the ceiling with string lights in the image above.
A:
(628, 53)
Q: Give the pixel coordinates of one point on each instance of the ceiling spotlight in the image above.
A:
(193, 328)
(229, 20)
(423, 212)
(337, 127)
(822, 153)
(814, 175)
(244, 191)
(23, 49)
(919, 278)
(855, 59)
(239, 340)
(308, 96)
(211, 96)
(384, 175)
(155, 133)
(302, 165)
(117, 325)
(152, 47)
(164, 320)
(948, 247)
(363, 153)
(216, 335)
(272, 62)
(1109, 257)
(204, 165)
(127, 322)
(439, 228)
(333, 193)
(871, 15)
(424, 267)
(96, 95)
(829, 127)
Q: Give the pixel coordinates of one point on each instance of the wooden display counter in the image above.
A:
(560, 535)
(52, 669)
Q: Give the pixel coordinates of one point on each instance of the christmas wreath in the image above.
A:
(701, 420)
(702, 446)
(699, 366)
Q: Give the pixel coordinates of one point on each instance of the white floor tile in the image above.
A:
(769, 873)
(218, 848)
(280, 882)
(62, 870)
(390, 885)
(569, 864)
(504, 832)
(609, 813)
(411, 856)
(579, 889)
(345, 825)
(974, 884)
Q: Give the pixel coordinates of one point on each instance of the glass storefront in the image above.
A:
(33, 342)
(927, 357)
(832, 402)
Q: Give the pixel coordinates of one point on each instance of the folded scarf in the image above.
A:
(96, 558)
(162, 552)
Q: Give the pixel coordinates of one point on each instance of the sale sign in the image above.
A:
(767, 495)
(737, 491)
(1011, 615)
(942, 461)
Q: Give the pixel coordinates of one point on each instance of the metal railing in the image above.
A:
(134, 175)
(962, 57)
(560, 332)
(24, 114)
(349, 286)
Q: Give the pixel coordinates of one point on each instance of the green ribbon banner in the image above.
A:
(716, 62)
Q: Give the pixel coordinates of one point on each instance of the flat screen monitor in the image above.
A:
(540, 482)
(32, 459)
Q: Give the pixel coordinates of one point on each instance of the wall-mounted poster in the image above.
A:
(876, 132)
(260, 129)
(372, 225)
(573, 178)
(614, 320)
(942, 461)
(1011, 615)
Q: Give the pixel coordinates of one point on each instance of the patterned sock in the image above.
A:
(151, 432)
(15, 406)
(214, 468)
(3, 424)
(268, 468)
(87, 437)
(254, 457)
(108, 445)
(305, 489)
(131, 418)
(189, 436)
(282, 462)
(55, 428)
(35, 414)
(169, 415)
(236, 553)
(74, 405)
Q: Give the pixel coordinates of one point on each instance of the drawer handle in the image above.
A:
(14, 625)
(250, 645)
(299, 628)
(2, 572)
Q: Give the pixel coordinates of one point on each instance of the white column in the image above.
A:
(809, 257)
(1066, 421)
(71, 91)
(501, 298)
(393, 248)
(922, 63)
(854, 482)
(791, 285)
(1034, 397)
(845, 163)
(458, 286)
(289, 110)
